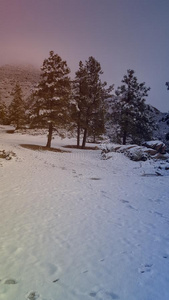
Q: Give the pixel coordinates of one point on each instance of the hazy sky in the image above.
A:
(120, 34)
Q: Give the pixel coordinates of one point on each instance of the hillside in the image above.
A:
(26, 75)
(77, 227)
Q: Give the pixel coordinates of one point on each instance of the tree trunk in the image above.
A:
(125, 131)
(124, 137)
(84, 138)
(17, 125)
(78, 135)
(49, 135)
(94, 138)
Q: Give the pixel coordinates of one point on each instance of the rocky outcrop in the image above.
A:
(151, 149)
(157, 146)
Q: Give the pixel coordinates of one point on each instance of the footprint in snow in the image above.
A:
(124, 201)
(131, 207)
(32, 295)
(10, 281)
(146, 268)
(158, 200)
(158, 213)
(102, 259)
(50, 268)
(101, 294)
(92, 294)
(86, 271)
(56, 280)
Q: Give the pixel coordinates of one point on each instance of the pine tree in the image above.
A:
(17, 114)
(97, 125)
(129, 111)
(3, 112)
(89, 94)
(79, 95)
(34, 105)
(53, 94)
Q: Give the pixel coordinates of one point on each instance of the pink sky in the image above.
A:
(120, 34)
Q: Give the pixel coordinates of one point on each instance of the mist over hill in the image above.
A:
(26, 75)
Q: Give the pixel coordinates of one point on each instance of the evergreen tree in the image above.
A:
(34, 105)
(79, 95)
(129, 111)
(17, 114)
(53, 95)
(97, 125)
(89, 95)
(3, 112)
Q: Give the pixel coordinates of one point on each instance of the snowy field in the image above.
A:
(76, 227)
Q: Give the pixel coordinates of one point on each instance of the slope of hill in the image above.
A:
(76, 227)
(26, 75)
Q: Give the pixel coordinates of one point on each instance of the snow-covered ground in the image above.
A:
(76, 227)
